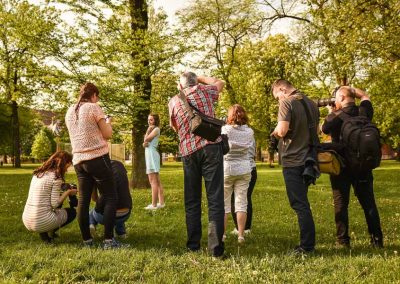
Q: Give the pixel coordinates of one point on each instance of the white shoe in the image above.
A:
(235, 232)
(159, 205)
(223, 237)
(151, 207)
(240, 240)
(247, 232)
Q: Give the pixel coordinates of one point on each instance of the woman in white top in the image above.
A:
(237, 167)
(43, 213)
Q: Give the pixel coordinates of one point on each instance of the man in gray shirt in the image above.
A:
(294, 134)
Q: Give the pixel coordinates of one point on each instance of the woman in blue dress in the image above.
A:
(150, 144)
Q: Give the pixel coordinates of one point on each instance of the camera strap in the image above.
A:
(185, 103)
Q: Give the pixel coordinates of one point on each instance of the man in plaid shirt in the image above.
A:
(201, 158)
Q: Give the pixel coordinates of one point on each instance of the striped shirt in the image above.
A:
(86, 138)
(201, 97)
(41, 213)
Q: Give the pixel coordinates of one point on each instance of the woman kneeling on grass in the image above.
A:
(43, 213)
(237, 167)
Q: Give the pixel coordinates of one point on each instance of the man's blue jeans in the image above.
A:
(207, 163)
(97, 218)
(297, 193)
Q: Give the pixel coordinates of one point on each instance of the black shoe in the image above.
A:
(46, 238)
(376, 242)
(298, 250)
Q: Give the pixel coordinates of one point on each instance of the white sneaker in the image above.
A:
(151, 207)
(247, 232)
(235, 232)
(159, 205)
(241, 240)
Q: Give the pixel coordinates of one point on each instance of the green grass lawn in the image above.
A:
(157, 239)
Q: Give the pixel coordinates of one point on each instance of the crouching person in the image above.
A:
(43, 211)
(124, 204)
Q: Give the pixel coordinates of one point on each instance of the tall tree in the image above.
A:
(217, 27)
(41, 148)
(27, 34)
(258, 65)
(127, 46)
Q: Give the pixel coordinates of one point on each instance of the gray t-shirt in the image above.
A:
(295, 145)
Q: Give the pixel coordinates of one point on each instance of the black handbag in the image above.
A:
(202, 125)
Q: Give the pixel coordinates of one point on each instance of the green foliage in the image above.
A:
(257, 66)
(157, 239)
(42, 146)
(219, 27)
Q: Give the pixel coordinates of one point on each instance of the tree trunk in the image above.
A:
(231, 92)
(259, 154)
(142, 88)
(16, 138)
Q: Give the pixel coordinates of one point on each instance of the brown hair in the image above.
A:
(85, 93)
(156, 118)
(280, 83)
(57, 163)
(237, 115)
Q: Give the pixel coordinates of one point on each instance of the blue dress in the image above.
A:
(152, 156)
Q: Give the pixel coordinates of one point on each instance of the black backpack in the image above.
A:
(361, 141)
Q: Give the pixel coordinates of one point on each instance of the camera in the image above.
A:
(66, 186)
(325, 102)
(273, 143)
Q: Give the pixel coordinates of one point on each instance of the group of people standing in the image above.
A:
(295, 132)
(229, 179)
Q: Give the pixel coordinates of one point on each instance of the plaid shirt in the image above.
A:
(201, 97)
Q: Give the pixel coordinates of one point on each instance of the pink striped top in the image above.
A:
(86, 139)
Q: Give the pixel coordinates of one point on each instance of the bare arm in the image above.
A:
(105, 128)
(149, 137)
(211, 81)
(360, 94)
(281, 129)
(56, 198)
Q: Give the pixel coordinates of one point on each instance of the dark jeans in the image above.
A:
(249, 202)
(363, 189)
(207, 163)
(96, 172)
(297, 194)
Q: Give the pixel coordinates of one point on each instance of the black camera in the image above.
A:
(325, 102)
(273, 144)
(66, 186)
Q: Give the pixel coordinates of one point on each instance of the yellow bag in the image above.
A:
(329, 163)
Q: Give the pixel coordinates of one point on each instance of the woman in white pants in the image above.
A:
(237, 167)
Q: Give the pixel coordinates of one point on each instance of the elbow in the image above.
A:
(107, 135)
(220, 85)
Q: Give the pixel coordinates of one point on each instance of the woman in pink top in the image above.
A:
(89, 129)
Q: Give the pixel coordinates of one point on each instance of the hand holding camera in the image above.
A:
(71, 188)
